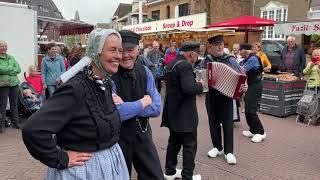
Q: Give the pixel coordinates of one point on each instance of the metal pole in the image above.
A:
(254, 5)
(140, 12)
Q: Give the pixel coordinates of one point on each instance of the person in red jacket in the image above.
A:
(170, 56)
(35, 80)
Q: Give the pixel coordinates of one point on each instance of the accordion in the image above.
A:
(224, 79)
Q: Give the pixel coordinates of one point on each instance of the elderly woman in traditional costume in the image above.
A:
(82, 115)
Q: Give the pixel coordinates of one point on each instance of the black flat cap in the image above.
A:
(216, 39)
(190, 46)
(245, 46)
(130, 39)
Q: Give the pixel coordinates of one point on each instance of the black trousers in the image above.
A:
(251, 101)
(158, 83)
(220, 110)
(138, 149)
(188, 140)
(12, 93)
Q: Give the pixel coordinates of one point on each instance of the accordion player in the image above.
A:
(225, 80)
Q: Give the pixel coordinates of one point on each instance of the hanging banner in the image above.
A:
(298, 28)
(195, 21)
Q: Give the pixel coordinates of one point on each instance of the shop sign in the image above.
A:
(306, 28)
(193, 22)
(143, 28)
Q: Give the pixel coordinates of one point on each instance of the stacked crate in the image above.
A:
(280, 98)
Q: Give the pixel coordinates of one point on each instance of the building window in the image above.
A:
(168, 12)
(58, 13)
(43, 8)
(271, 15)
(264, 33)
(285, 15)
(264, 14)
(21, 2)
(270, 32)
(276, 13)
(155, 15)
(184, 9)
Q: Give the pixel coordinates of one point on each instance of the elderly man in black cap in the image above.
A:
(134, 82)
(180, 112)
(254, 68)
(220, 107)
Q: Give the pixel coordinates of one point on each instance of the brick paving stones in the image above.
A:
(290, 152)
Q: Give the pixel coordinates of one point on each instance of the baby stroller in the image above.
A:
(308, 108)
(24, 111)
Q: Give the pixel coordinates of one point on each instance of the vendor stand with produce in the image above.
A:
(282, 90)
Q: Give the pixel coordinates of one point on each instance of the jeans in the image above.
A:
(51, 89)
(12, 93)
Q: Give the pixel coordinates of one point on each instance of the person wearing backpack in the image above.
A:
(253, 68)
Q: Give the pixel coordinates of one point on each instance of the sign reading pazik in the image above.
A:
(298, 28)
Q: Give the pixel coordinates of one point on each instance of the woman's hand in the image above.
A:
(78, 158)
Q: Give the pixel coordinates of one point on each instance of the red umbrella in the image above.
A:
(244, 22)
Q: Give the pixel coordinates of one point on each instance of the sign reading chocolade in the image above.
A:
(195, 21)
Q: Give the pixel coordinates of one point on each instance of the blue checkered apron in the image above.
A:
(108, 164)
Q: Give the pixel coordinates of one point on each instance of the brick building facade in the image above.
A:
(217, 10)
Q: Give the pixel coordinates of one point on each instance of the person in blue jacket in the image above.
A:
(51, 68)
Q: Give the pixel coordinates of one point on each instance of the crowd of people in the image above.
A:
(92, 108)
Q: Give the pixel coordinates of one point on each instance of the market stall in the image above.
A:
(280, 94)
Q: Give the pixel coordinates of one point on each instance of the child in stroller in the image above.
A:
(24, 105)
(31, 100)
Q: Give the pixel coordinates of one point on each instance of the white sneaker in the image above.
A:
(196, 177)
(214, 152)
(247, 134)
(230, 158)
(258, 137)
(176, 175)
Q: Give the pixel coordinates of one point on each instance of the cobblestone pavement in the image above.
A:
(289, 152)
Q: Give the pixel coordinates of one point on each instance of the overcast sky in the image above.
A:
(90, 11)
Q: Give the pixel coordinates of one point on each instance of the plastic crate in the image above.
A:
(280, 98)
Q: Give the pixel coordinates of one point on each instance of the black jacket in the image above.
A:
(131, 86)
(299, 60)
(83, 117)
(180, 109)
